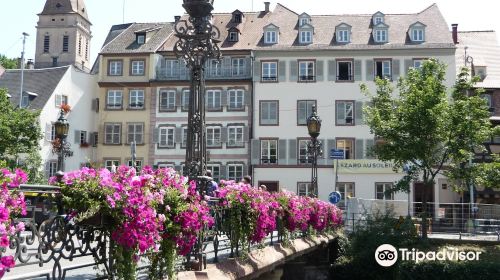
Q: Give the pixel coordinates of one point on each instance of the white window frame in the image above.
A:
(115, 68)
(171, 68)
(214, 68)
(235, 172)
(238, 66)
(343, 36)
(305, 36)
(235, 136)
(418, 34)
(306, 189)
(381, 35)
(116, 96)
(344, 108)
(83, 137)
(136, 99)
(167, 137)
(185, 99)
(135, 132)
(304, 21)
(417, 63)
(141, 39)
(381, 188)
(138, 164)
(378, 20)
(271, 37)
(269, 151)
(233, 36)
(306, 72)
(236, 98)
(214, 136)
(114, 135)
(266, 115)
(350, 76)
(302, 154)
(61, 99)
(347, 145)
(109, 163)
(215, 168)
(53, 168)
(214, 99)
(269, 71)
(137, 67)
(346, 189)
(307, 110)
(386, 69)
(169, 99)
(184, 136)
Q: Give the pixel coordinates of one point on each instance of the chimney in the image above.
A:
(177, 18)
(30, 64)
(454, 32)
(266, 4)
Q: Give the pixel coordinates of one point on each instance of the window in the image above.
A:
(378, 20)
(236, 99)
(235, 136)
(348, 146)
(270, 71)
(215, 68)
(96, 139)
(115, 68)
(306, 189)
(305, 37)
(215, 168)
(136, 99)
(380, 191)
(141, 39)
(344, 112)
(80, 45)
(137, 67)
(304, 110)
(213, 136)
(52, 132)
(269, 151)
(135, 133)
(270, 37)
(167, 100)
(237, 18)
(383, 69)
(238, 66)
(343, 36)
(112, 133)
(235, 172)
(214, 99)
(61, 99)
(53, 168)
(114, 99)
(166, 137)
(112, 164)
(417, 35)
(185, 100)
(303, 157)
(304, 21)
(417, 63)
(65, 43)
(233, 36)
(46, 43)
(344, 71)
(83, 137)
(346, 190)
(138, 164)
(87, 49)
(171, 68)
(306, 71)
(381, 35)
(269, 112)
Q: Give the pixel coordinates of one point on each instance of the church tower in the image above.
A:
(63, 35)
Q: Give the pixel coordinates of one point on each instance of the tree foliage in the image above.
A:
(8, 63)
(19, 129)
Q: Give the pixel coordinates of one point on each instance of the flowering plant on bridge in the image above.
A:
(11, 204)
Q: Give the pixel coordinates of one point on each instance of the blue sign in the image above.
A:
(334, 197)
(337, 154)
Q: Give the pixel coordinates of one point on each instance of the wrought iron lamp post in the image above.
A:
(61, 147)
(314, 147)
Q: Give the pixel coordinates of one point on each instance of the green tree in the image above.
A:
(8, 63)
(424, 128)
(19, 130)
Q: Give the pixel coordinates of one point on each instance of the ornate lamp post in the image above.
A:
(60, 146)
(197, 43)
(314, 147)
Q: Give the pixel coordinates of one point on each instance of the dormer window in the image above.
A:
(237, 16)
(305, 37)
(271, 34)
(381, 35)
(233, 36)
(417, 32)
(343, 33)
(378, 18)
(141, 38)
(304, 19)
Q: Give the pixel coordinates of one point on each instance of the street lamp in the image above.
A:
(314, 147)
(60, 146)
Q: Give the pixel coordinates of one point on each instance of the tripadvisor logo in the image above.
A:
(387, 255)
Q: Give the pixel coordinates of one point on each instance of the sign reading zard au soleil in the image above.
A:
(365, 166)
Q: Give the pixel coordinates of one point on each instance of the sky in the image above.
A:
(20, 16)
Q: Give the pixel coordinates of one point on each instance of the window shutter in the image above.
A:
(182, 69)
(255, 147)
(47, 169)
(369, 70)
(105, 133)
(293, 71)
(246, 134)
(292, 151)
(226, 66)
(257, 71)
(369, 143)
(178, 135)
(222, 172)
(324, 154)
(358, 113)
(156, 135)
(224, 99)
(332, 70)
(357, 70)
(319, 71)
(223, 134)
(408, 65)
(395, 70)
(359, 148)
(247, 98)
(94, 105)
(48, 132)
(178, 97)
(330, 144)
(92, 139)
(282, 151)
(340, 111)
(77, 136)
(282, 71)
